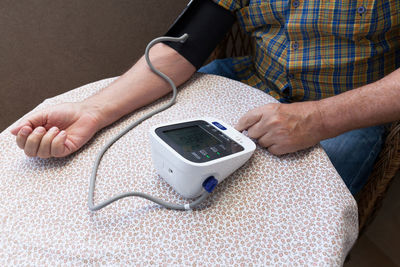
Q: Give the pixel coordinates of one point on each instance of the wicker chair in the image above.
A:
(236, 43)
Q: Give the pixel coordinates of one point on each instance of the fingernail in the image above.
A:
(24, 131)
(40, 130)
(53, 129)
(62, 133)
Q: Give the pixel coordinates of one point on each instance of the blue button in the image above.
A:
(296, 3)
(219, 125)
(361, 10)
(295, 45)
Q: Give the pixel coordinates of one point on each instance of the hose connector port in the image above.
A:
(210, 183)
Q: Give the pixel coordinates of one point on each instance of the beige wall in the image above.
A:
(51, 46)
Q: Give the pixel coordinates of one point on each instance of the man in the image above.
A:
(338, 60)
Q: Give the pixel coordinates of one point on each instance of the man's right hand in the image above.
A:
(57, 131)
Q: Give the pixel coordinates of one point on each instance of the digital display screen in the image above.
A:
(192, 138)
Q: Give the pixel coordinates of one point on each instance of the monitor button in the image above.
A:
(214, 149)
(219, 125)
(203, 152)
(195, 155)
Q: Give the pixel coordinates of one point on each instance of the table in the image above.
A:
(287, 210)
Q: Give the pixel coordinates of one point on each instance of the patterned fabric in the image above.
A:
(292, 210)
(307, 50)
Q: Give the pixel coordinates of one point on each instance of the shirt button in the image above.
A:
(295, 45)
(291, 76)
(296, 3)
(361, 10)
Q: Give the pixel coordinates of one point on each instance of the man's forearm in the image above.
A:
(373, 104)
(139, 86)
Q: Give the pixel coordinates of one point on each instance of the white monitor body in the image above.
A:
(186, 153)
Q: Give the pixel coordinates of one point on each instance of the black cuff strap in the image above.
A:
(206, 23)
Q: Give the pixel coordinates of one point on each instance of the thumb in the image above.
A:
(249, 119)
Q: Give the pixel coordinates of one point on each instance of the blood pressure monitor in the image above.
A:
(187, 153)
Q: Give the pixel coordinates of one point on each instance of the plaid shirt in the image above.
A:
(310, 49)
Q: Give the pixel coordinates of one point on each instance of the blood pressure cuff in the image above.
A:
(206, 23)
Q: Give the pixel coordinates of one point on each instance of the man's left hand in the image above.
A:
(284, 128)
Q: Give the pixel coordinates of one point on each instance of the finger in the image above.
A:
(44, 150)
(22, 135)
(15, 130)
(265, 141)
(257, 130)
(33, 141)
(58, 148)
(248, 120)
(276, 150)
(34, 120)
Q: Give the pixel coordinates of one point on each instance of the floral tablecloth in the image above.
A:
(289, 210)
